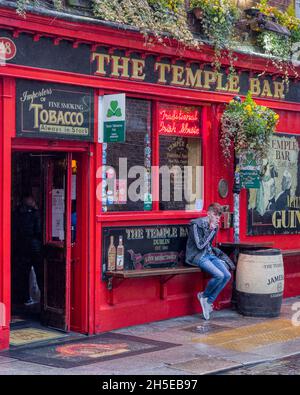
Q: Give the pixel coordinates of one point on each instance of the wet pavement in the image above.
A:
(285, 366)
(227, 344)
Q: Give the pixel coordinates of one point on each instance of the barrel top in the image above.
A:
(265, 252)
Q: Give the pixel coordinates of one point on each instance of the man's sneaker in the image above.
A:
(211, 307)
(204, 305)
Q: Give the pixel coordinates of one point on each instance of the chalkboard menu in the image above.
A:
(145, 247)
(54, 111)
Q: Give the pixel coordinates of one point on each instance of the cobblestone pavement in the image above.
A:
(228, 344)
(284, 366)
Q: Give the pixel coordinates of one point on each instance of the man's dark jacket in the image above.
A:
(199, 243)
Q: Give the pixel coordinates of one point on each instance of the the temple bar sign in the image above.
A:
(191, 76)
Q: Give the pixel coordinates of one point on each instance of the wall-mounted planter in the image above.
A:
(260, 22)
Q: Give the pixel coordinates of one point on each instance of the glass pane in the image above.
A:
(180, 173)
(128, 164)
(180, 157)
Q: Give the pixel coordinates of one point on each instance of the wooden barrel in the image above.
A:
(260, 283)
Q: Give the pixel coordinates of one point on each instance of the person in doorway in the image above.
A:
(28, 241)
(201, 253)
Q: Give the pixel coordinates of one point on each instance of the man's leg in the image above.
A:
(207, 264)
(223, 279)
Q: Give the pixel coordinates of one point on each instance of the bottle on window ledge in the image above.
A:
(111, 264)
(120, 254)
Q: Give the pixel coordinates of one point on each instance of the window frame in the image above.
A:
(156, 212)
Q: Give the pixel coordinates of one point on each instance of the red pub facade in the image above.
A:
(54, 78)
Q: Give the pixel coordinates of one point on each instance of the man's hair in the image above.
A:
(216, 208)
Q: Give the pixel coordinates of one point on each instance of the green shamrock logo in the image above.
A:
(114, 110)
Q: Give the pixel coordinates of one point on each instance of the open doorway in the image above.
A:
(42, 235)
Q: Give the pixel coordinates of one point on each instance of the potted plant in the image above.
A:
(247, 126)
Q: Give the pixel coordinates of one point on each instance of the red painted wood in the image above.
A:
(135, 301)
(7, 125)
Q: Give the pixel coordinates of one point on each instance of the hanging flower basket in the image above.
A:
(247, 126)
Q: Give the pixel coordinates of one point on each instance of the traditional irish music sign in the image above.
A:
(179, 120)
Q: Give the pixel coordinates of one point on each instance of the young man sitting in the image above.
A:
(201, 253)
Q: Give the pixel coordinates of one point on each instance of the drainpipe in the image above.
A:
(236, 193)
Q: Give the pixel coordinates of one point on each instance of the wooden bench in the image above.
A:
(165, 275)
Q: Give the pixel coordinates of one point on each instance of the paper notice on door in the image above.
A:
(58, 225)
(58, 200)
(58, 213)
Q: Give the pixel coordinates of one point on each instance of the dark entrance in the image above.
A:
(41, 237)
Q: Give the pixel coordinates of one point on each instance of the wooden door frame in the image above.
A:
(19, 145)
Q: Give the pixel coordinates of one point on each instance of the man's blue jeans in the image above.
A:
(220, 276)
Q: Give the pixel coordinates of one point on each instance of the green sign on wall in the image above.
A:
(249, 171)
(112, 113)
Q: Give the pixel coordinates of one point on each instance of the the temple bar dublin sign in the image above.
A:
(144, 247)
(54, 111)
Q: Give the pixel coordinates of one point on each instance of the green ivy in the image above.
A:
(275, 44)
(247, 126)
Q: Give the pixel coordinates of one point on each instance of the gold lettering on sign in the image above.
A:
(162, 68)
(193, 80)
(266, 90)
(286, 219)
(138, 66)
(177, 75)
(278, 90)
(220, 86)
(209, 78)
(254, 86)
(234, 82)
(101, 60)
(120, 66)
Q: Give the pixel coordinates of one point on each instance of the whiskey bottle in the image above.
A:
(111, 264)
(120, 254)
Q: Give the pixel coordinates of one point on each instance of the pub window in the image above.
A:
(127, 183)
(180, 181)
